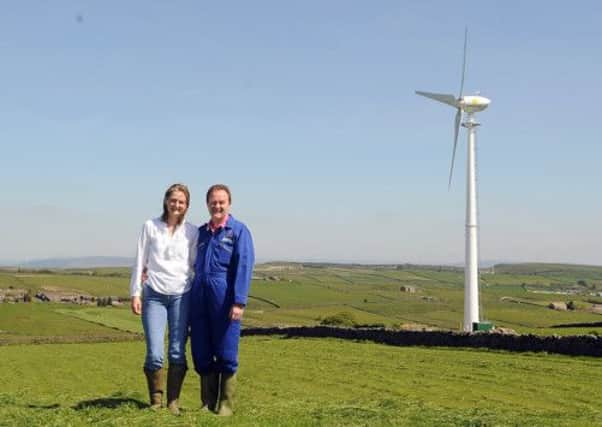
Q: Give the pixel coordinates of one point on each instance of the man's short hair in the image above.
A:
(217, 187)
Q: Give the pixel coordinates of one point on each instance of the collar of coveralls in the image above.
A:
(214, 227)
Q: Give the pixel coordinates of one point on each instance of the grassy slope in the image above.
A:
(372, 295)
(22, 323)
(93, 285)
(308, 382)
(592, 271)
(119, 318)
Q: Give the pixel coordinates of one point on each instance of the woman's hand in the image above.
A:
(136, 304)
(237, 311)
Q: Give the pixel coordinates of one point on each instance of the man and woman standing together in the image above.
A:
(198, 278)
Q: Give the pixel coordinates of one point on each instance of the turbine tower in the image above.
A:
(469, 105)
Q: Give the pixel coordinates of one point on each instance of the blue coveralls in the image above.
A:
(223, 272)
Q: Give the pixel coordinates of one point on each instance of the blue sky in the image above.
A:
(307, 110)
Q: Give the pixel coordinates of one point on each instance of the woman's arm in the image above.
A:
(138, 268)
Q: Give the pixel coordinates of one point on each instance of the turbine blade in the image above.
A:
(441, 97)
(456, 131)
(463, 64)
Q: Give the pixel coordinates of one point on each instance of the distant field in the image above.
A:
(92, 285)
(303, 382)
(26, 323)
(516, 296)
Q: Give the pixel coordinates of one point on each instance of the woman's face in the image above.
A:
(176, 204)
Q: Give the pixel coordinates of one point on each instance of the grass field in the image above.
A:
(302, 382)
(516, 297)
(97, 379)
(93, 285)
(27, 323)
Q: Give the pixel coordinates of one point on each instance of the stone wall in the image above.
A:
(586, 345)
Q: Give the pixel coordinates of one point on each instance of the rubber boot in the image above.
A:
(209, 389)
(175, 378)
(225, 406)
(154, 380)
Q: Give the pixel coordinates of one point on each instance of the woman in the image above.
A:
(160, 291)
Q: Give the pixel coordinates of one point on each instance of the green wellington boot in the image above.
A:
(175, 378)
(225, 406)
(209, 389)
(154, 380)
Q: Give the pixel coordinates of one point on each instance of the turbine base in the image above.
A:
(482, 326)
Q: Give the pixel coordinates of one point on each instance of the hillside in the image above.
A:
(295, 294)
(97, 378)
(585, 271)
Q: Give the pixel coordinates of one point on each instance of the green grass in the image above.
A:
(118, 318)
(303, 382)
(97, 286)
(308, 382)
(310, 316)
(24, 323)
(304, 294)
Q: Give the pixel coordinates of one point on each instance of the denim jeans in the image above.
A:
(157, 311)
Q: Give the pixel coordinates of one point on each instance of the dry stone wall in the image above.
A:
(586, 345)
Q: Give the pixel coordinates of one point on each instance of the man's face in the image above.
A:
(218, 205)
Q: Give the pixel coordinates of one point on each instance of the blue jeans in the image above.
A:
(157, 311)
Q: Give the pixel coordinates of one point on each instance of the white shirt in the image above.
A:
(169, 259)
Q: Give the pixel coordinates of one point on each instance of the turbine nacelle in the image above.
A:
(473, 104)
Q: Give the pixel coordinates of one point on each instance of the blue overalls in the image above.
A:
(223, 273)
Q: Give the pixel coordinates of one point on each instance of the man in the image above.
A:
(223, 272)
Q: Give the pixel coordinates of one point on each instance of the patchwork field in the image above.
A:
(516, 297)
(97, 378)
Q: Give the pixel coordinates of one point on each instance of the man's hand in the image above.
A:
(136, 304)
(237, 311)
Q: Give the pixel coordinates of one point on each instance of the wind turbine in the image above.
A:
(470, 105)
